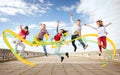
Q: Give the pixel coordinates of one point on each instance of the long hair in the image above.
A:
(64, 31)
(27, 32)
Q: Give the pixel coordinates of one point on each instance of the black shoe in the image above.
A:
(46, 55)
(62, 58)
(75, 50)
(67, 54)
(99, 54)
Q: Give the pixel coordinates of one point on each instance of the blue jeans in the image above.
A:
(45, 50)
(57, 51)
(44, 47)
(80, 40)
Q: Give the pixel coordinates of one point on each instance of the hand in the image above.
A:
(51, 38)
(87, 25)
(109, 23)
(58, 23)
(21, 25)
(71, 14)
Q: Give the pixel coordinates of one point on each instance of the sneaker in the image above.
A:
(99, 54)
(86, 46)
(67, 54)
(46, 55)
(62, 58)
(75, 50)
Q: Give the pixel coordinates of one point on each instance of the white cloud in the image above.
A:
(42, 1)
(68, 9)
(52, 24)
(4, 19)
(108, 11)
(33, 26)
(13, 7)
(58, 9)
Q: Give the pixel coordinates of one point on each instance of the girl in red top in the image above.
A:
(23, 33)
(60, 36)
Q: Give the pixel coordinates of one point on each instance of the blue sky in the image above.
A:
(34, 12)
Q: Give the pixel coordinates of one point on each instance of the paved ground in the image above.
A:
(52, 66)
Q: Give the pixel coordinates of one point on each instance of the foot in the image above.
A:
(86, 46)
(99, 54)
(67, 54)
(75, 50)
(46, 55)
(62, 58)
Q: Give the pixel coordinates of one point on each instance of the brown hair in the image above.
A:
(64, 31)
(99, 22)
(26, 27)
(78, 20)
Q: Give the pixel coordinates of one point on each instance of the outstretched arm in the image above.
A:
(71, 18)
(57, 26)
(91, 26)
(108, 24)
(21, 27)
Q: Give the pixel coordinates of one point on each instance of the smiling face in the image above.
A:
(60, 31)
(99, 23)
(78, 22)
(26, 29)
(43, 26)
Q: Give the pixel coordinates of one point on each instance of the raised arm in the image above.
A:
(71, 18)
(57, 26)
(21, 27)
(91, 26)
(108, 24)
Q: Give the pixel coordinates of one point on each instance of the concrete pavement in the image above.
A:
(52, 66)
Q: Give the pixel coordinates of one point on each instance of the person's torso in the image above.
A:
(101, 31)
(57, 37)
(41, 33)
(76, 28)
(23, 34)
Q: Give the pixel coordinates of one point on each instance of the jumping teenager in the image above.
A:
(60, 36)
(76, 32)
(101, 29)
(23, 33)
(41, 34)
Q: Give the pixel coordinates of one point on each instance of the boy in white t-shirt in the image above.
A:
(101, 35)
(76, 32)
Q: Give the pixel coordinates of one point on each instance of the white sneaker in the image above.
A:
(86, 46)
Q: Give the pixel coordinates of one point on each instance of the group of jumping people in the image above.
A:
(60, 36)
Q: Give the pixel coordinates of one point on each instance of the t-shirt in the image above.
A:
(41, 33)
(75, 27)
(23, 34)
(101, 31)
(57, 37)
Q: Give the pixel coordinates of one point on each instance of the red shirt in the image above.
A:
(23, 34)
(57, 37)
